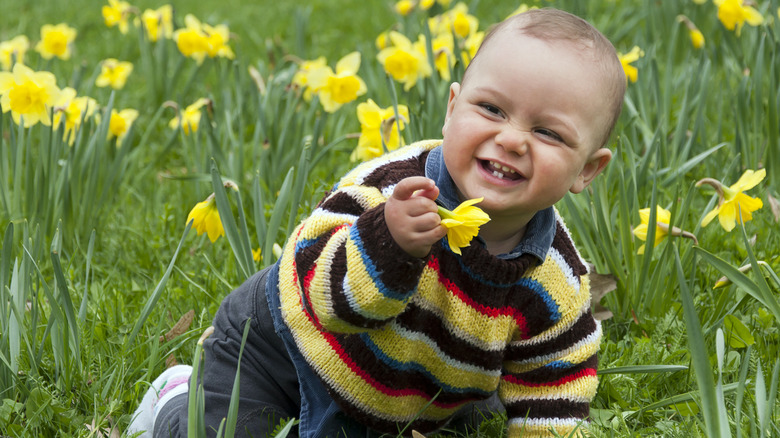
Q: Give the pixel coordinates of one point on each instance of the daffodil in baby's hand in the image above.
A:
(463, 223)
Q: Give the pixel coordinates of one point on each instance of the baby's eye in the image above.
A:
(492, 109)
(549, 134)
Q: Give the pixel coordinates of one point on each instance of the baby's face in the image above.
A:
(525, 126)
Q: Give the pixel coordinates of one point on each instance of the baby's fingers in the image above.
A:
(415, 186)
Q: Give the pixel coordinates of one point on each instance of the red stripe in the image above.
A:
(492, 312)
(587, 372)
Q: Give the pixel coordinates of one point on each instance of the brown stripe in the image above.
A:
(549, 374)
(342, 203)
(580, 330)
(394, 171)
(545, 408)
(398, 379)
(417, 319)
(564, 245)
(400, 273)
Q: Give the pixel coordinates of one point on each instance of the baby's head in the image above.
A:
(534, 110)
(554, 25)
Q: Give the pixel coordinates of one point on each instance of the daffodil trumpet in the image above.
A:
(732, 202)
(462, 223)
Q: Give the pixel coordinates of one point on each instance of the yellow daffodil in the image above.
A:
(71, 110)
(158, 22)
(404, 7)
(404, 61)
(697, 38)
(257, 255)
(733, 203)
(734, 13)
(463, 223)
(198, 40)
(382, 41)
(28, 94)
(377, 124)
(470, 46)
(456, 20)
(190, 118)
(120, 123)
(114, 73)
(13, 51)
(301, 77)
(206, 219)
(343, 86)
(662, 229)
(56, 41)
(522, 8)
(427, 4)
(464, 24)
(627, 59)
(117, 13)
(443, 49)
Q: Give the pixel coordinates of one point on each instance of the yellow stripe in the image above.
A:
(538, 431)
(369, 298)
(584, 387)
(578, 355)
(407, 350)
(460, 315)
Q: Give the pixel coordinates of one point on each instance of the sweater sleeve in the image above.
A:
(550, 379)
(350, 274)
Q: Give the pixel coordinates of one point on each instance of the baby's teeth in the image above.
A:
(497, 166)
(498, 174)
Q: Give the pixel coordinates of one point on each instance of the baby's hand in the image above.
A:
(412, 216)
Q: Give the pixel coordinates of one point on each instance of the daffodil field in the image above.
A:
(155, 155)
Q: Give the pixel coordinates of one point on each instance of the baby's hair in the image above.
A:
(556, 25)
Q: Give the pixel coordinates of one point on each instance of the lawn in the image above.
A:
(103, 285)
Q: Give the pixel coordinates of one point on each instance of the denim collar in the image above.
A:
(539, 232)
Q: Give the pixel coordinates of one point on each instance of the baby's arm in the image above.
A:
(348, 269)
(411, 215)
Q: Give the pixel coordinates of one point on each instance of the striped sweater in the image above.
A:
(398, 339)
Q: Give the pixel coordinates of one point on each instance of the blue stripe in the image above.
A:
(414, 366)
(303, 244)
(559, 365)
(373, 272)
(533, 285)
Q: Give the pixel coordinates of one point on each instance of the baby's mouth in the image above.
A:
(500, 171)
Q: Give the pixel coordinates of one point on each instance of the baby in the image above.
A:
(370, 323)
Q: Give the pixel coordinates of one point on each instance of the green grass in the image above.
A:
(95, 264)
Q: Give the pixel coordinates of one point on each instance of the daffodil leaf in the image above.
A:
(738, 334)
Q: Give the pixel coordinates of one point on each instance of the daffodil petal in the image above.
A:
(749, 179)
(710, 216)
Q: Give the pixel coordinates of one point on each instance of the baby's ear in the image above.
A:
(454, 92)
(596, 163)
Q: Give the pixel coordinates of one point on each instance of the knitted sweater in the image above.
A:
(398, 339)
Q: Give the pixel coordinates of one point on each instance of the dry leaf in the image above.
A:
(181, 326)
(600, 285)
(416, 434)
(774, 205)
